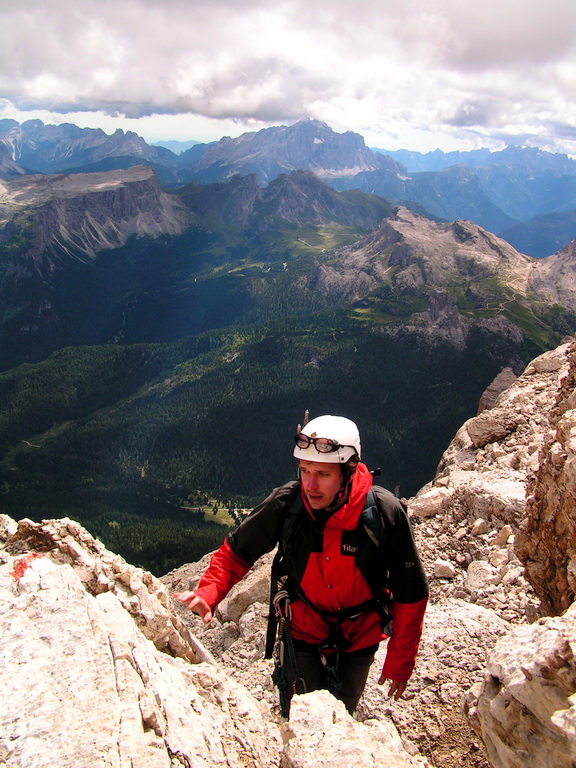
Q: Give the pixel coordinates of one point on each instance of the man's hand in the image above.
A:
(196, 604)
(396, 689)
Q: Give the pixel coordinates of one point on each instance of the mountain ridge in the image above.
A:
(297, 231)
(85, 212)
(505, 191)
(306, 145)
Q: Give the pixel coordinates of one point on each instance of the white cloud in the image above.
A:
(450, 74)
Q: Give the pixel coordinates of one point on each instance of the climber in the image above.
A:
(337, 586)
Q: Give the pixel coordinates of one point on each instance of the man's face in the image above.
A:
(321, 482)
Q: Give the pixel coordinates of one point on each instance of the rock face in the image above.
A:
(525, 711)
(479, 499)
(97, 670)
(96, 667)
(504, 489)
(445, 250)
(86, 212)
(503, 496)
(525, 708)
(551, 506)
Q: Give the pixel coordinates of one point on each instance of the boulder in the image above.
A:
(491, 426)
(324, 735)
(525, 709)
(429, 502)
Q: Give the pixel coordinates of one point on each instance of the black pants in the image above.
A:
(351, 671)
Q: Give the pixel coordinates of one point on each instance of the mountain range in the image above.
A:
(525, 195)
(150, 263)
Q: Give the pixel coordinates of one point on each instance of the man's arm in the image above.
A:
(407, 623)
(409, 586)
(257, 534)
(225, 570)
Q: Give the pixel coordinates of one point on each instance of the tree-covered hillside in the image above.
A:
(133, 440)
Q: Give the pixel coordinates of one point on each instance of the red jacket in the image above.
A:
(325, 564)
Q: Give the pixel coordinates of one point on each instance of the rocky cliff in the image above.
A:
(100, 668)
(82, 214)
(547, 540)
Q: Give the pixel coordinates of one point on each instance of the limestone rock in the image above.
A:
(429, 502)
(443, 569)
(551, 505)
(481, 493)
(480, 526)
(503, 380)
(525, 709)
(83, 686)
(491, 426)
(324, 735)
(255, 587)
(142, 595)
(480, 574)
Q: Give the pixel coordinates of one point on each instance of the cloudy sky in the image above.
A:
(418, 74)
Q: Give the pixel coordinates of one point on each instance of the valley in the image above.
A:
(159, 345)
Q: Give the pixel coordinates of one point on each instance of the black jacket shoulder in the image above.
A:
(261, 530)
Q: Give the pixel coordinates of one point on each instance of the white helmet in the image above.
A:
(331, 439)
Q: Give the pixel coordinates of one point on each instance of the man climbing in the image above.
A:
(346, 576)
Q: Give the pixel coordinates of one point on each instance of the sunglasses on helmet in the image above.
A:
(322, 444)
